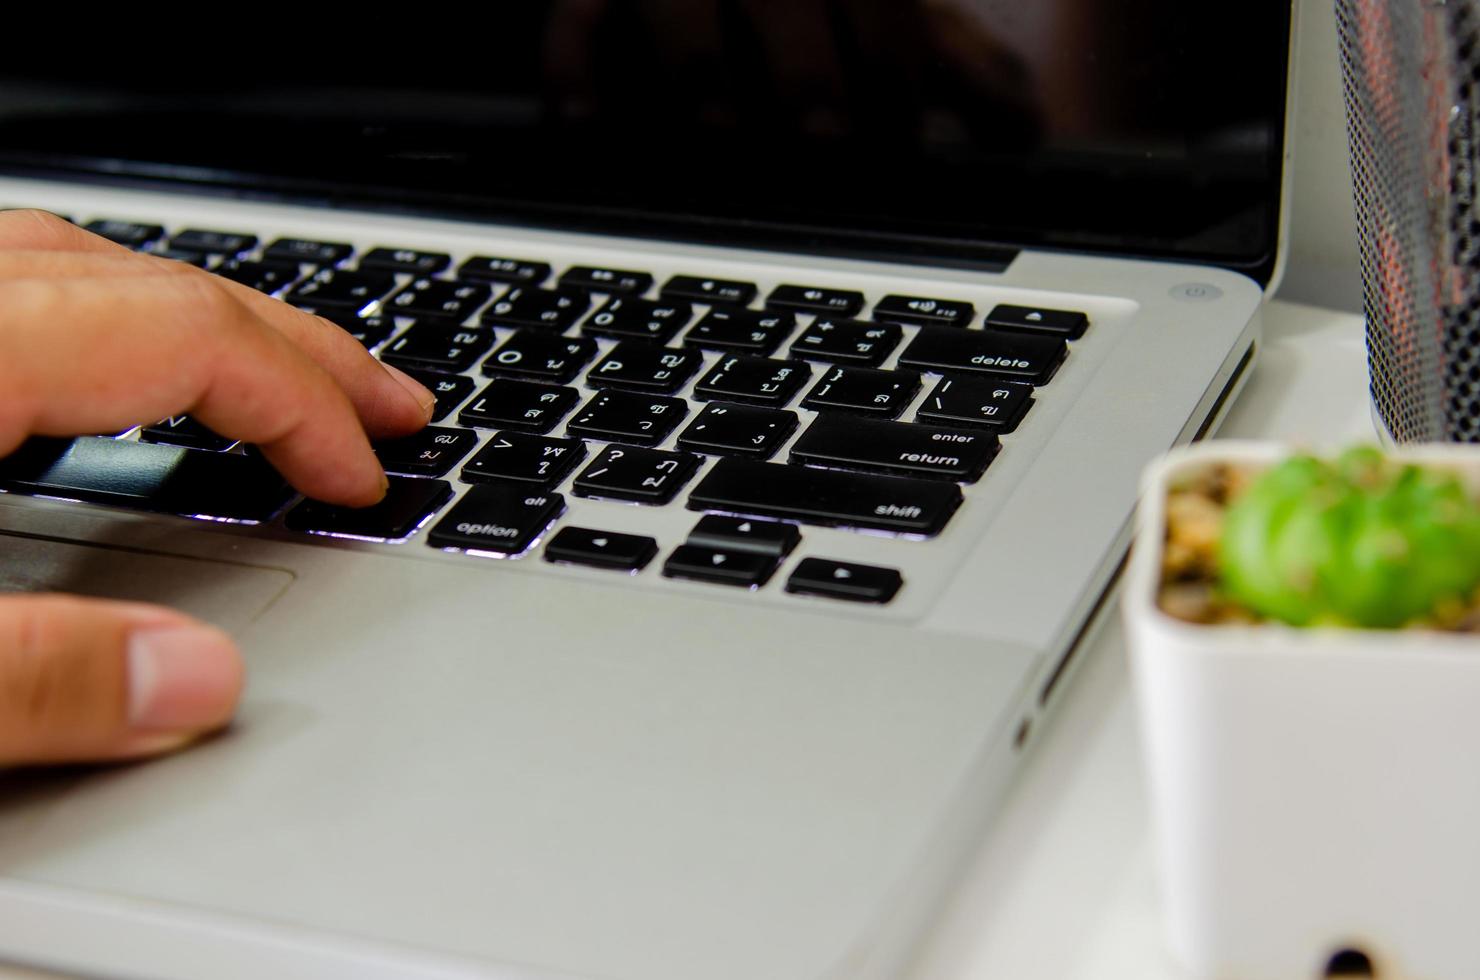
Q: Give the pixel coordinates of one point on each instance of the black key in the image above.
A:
(742, 331)
(896, 447)
(863, 391)
(1014, 356)
(638, 319)
(550, 309)
(646, 476)
(499, 518)
(738, 430)
(368, 330)
(602, 549)
(408, 504)
(541, 356)
(520, 272)
(1000, 405)
(923, 311)
(438, 347)
(406, 260)
(702, 290)
(1058, 323)
(431, 452)
(525, 458)
(848, 342)
(844, 580)
(607, 280)
(626, 416)
(214, 242)
(827, 497)
(183, 430)
(440, 298)
(813, 299)
(643, 367)
(520, 405)
(265, 277)
(127, 233)
(181, 255)
(303, 250)
(343, 288)
(745, 569)
(746, 534)
(141, 476)
(451, 390)
(753, 380)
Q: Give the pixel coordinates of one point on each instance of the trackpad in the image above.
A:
(226, 594)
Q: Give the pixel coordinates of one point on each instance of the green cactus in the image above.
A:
(1360, 541)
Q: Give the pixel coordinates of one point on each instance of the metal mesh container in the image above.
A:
(1411, 72)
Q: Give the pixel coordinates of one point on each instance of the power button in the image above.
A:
(1196, 292)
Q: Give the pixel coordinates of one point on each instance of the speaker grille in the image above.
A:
(1411, 73)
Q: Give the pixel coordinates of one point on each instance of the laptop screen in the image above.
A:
(937, 129)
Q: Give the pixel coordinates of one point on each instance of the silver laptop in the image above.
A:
(795, 366)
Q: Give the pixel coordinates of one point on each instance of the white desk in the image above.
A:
(1062, 888)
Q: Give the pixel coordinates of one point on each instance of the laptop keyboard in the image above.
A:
(609, 385)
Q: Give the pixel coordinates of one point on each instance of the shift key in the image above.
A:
(1016, 357)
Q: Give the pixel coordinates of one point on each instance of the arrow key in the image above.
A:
(844, 580)
(602, 549)
(746, 569)
(771, 538)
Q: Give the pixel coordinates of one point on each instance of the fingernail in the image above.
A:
(417, 390)
(182, 678)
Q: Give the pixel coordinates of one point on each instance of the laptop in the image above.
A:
(795, 363)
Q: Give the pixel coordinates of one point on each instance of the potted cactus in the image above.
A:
(1305, 637)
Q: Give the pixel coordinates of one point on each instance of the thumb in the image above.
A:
(84, 680)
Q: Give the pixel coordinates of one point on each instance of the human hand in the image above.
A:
(96, 338)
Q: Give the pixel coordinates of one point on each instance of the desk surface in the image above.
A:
(1062, 888)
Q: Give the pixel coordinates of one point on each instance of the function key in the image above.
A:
(1014, 356)
(644, 476)
(265, 277)
(213, 242)
(742, 331)
(864, 391)
(184, 430)
(701, 290)
(746, 534)
(524, 458)
(407, 504)
(753, 380)
(896, 447)
(601, 549)
(340, 287)
(738, 430)
(440, 298)
(643, 367)
(746, 569)
(541, 356)
(438, 347)
(639, 319)
(598, 280)
(813, 299)
(430, 452)
(450, 390)
(303, 250)
(520, 272)
(128, 233)
(1059, 323)
(406, 260)
(848, 342)
(501, 519)
(550, 309)
(368, 330)
(519, 405)
(977, 401)
(923, 311)
(844, 580)
(626, 416)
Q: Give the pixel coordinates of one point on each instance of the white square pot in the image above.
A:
(1312, 790)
